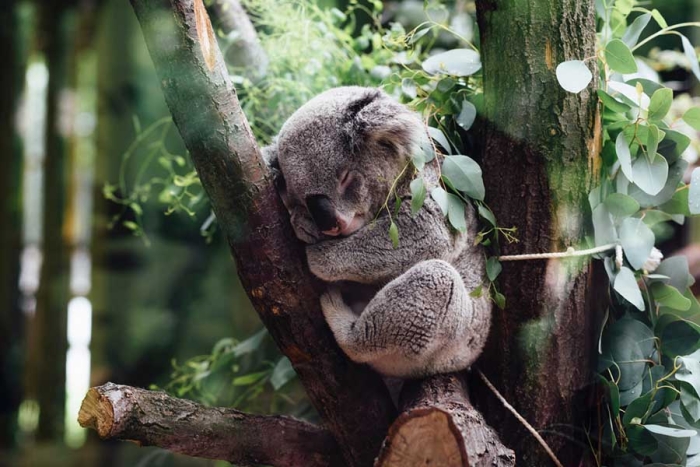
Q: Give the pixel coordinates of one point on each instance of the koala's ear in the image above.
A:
(374, 118)
(270, 156)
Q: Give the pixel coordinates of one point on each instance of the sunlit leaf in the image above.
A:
(619, 57)
(456, 62)
(573, 75)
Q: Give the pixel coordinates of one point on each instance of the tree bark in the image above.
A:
(439, 426)
(153, 418)
(246, 52)
(352, 400)
(540, 159)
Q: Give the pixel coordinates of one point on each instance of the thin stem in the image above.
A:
(570, 253)
(665, 31)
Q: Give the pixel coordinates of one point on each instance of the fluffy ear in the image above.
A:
(374, 118)
(270, 156)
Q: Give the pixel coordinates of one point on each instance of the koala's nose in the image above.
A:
(322, 211)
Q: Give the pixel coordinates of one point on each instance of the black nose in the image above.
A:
(322, 212)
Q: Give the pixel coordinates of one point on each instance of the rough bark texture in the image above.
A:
(11, 319)
(540, 158)
(352, 400)
(245, 53)
(153, 418)
(440, 427)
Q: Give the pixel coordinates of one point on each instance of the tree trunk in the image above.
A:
(49, 333)
(352, 399)
(11, 319)
(540, 159)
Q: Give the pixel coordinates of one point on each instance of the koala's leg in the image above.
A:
(423, 322)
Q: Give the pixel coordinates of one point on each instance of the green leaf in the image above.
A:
(654, 135)
(130, 225)
(624, 6)
(634, 30)
(409, 88)
(637, 410)
(573, 75)
(641, 441)
(418, 193)
(500, 300)
(619, 57)
(690, 371)
(660, 103)
(247, 380)
(621, 206)
(694, 192)
(678, 337)
(465, 175)
(493, 268)
(622, 149)
(659, 19)
(613, 104)
(282, 373)
(692, 117)
(670, 430)
(440, 138)
(669, 296)
(467, 115)
(676, 268)
(689, 52)
(673, 145)
(486, 214)
(626, 285)
(650, 176)
(456, 62)
(690, 401)
(251, 344)
(455, 212)
(637, 241)
(418, 159)
(603, 226)
(394, 234)
(440, 196)
(675, 174)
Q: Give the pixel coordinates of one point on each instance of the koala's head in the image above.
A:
(338, 156)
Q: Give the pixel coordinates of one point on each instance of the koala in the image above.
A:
(405, 311)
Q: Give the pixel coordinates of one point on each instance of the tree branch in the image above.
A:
(439, 426)
(245, 52)
(271, 261)
(155, 419)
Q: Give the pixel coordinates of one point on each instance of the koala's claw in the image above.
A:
(333, 305)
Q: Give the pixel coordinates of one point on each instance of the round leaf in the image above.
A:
(692, 117)
(573, 75)
(660, 103)
(619, 57)
(637, 241)
(456, 62)
(467, 115)
(650, 176)
(621, 205)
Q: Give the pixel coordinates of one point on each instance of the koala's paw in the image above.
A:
(319, 264)
(335, 310)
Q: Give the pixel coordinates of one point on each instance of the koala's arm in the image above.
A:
(368, 256)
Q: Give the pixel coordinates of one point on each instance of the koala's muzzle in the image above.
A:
(322, 211)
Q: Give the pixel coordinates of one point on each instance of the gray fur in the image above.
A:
(422, 320)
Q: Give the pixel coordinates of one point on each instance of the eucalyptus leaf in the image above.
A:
(440, 138)
(692, 117)
(626, 285)
(409, 88)
(654, 135)
(689, 52)
(619, 57)
(456, 62)
(660, 103)
(629, 94)
(621, 206)
(455, 213)
(612, 103)
(467, 115)
(282, 373)
(465, 175)
(669, 296)
(676, 268)
(394, 234)
(673, 431)
(650, 176)
(622, 149)
(418, 193)
(573, 75)
(603, 227)
(637, 241)
(675, 174)
(659, 19)
(634, 30)
(694, 192)
(493, 268)
(440, 197)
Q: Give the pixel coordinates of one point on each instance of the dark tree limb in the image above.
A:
(245, 52)
(351, 399)
(439, 426)
(152, 418)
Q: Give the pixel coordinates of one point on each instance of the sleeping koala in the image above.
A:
(337, 157)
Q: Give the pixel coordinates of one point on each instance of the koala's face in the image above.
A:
(338, 156)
